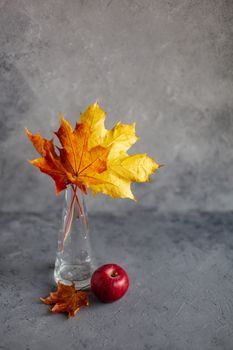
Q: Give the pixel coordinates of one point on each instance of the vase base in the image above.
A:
(80, 275)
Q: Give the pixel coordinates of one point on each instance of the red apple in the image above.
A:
(109, 283)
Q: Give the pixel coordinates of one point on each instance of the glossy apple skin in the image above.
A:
(109, 283)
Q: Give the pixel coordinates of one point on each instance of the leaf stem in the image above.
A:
(81, 211)
(71, 213)
(69, 219)
(77, 200)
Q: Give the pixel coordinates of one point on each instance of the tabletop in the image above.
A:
(181, 283)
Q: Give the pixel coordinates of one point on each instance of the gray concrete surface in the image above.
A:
(165, 64)
(168, 66)
(180, 297)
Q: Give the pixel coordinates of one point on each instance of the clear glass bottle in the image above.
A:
(74, 261)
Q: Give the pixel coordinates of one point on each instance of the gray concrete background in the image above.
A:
(165, 64)
(168, 66)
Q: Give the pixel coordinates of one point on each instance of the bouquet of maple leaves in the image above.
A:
(90, 156)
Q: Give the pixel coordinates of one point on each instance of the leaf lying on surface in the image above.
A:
(92, 156)
(66, 299)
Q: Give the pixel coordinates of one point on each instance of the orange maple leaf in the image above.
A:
(66, 299)
(75, 161)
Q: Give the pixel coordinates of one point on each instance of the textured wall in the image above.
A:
(166, 64)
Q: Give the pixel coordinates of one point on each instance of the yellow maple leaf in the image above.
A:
(122, 169)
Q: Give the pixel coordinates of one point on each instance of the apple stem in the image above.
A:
(114, 274)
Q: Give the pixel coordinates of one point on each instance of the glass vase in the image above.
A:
(74, 261)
